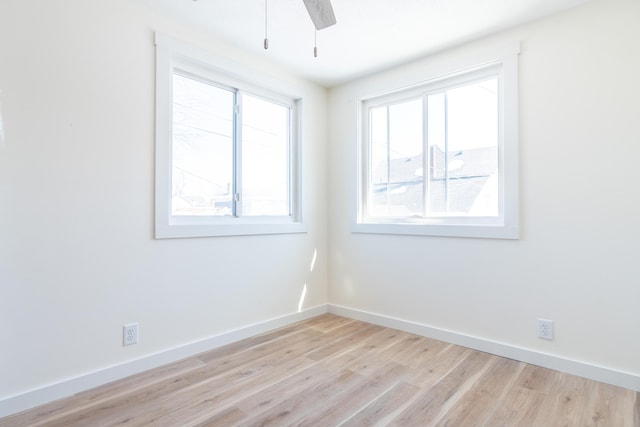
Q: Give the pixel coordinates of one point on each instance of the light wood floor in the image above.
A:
(331, 371)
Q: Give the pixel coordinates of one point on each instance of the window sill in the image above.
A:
(440, 230)
(227, 229)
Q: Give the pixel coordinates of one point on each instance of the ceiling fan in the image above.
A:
(321, 13)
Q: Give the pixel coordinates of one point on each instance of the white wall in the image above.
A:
(77, 254)
(577, 262)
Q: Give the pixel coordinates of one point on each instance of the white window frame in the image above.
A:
(506, 224)
(171, 56)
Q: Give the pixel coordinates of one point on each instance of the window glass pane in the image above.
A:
(265, 157)
(202, 148)
(436, 134)
(397, 161)
(379, 171)
(406, 162)
(472, 151)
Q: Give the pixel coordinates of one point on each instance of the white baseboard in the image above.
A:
(599, 373)
(68, 387)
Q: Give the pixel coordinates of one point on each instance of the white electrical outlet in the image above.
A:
(545, 329)
(130, 334)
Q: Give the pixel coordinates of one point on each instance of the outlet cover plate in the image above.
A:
(130, 334)
(545, 329)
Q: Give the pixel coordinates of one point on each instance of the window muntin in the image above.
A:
(435, 158)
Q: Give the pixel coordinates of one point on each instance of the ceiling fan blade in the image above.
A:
(321, 13)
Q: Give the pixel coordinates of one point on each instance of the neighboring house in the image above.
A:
(468, 182)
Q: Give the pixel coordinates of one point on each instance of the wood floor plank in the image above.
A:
(429, 373)
(520, 408)
(485, 395)
(330, 371)
(342, 343)
(328, 322)
(368, 347)
(282, 390)
(225, 418)
(433, 403)
(301, 400)
(385, 406)
(378, 378)
(536, 378)
(414, 350)
(606, 405)
(565, 405)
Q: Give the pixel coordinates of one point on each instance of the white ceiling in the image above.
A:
(370, 35)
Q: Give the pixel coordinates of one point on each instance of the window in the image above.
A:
(226, 151)
(441, 158)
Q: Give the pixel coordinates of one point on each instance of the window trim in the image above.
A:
(506, 224)
(188, 60)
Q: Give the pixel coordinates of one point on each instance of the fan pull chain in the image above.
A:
(315, 44)
(266, 39)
